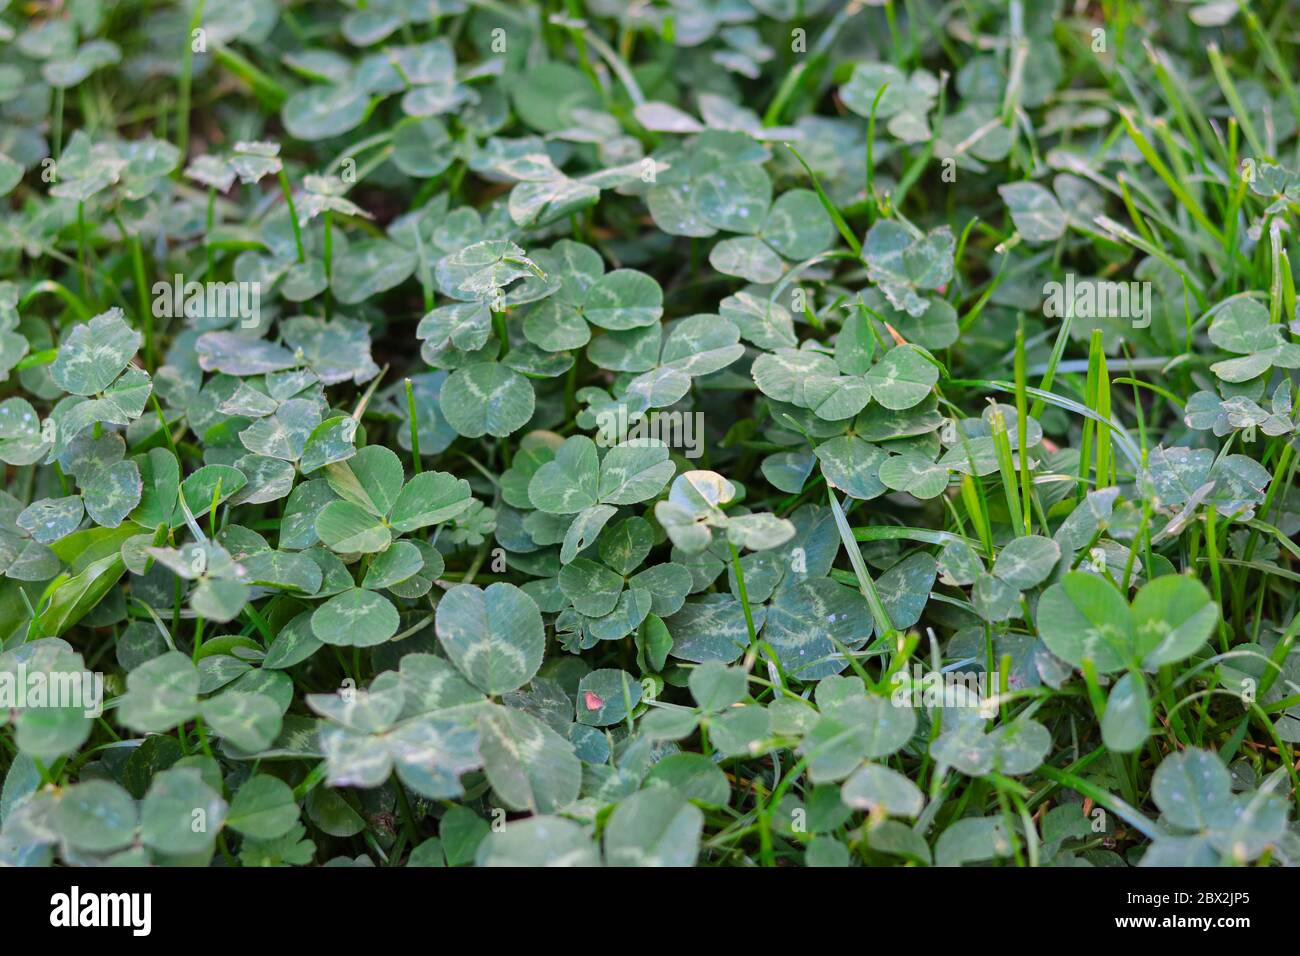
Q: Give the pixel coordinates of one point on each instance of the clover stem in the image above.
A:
(479, 557)
(343, 664)
(141, 292)
(162, 423)
(408, 817)
(62, 476)
(1212, 547)
(225, 849)
(873, 208)
(744, 594)
(198, 638)
(212, 510)
(293, 214)
(311, 781)
(413, 415)
(570, 389)
(186, 82)
(499, 324)
(203, 736)
(774, 800)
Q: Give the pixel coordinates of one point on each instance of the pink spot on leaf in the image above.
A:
(592, 701)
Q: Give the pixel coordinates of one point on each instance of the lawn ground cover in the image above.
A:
(711, 432)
